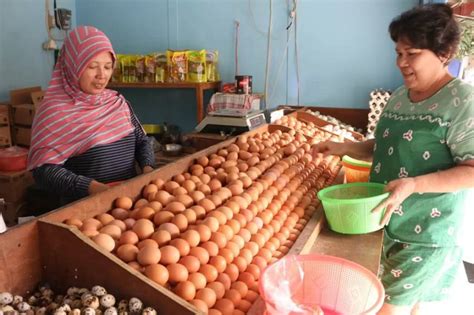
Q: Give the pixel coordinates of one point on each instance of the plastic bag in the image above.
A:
(281, 293)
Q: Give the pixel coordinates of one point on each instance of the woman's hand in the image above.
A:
(97, 187)
(329, 148)
(147, 169)
(399, 189)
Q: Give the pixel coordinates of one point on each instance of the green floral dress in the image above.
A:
(421, 244)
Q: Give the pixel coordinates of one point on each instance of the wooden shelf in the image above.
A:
(198, 87)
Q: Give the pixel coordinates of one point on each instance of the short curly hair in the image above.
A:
(430, 26)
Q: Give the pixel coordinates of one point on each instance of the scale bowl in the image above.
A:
(172, 149)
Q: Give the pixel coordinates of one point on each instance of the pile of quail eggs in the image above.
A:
(77, 301)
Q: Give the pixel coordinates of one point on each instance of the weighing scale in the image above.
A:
(231, 121)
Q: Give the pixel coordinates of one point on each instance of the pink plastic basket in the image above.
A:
(297, 284)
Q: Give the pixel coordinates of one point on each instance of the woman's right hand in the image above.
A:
(97, 187)
(330, 148)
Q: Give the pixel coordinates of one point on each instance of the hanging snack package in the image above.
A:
(177, 65)
(160, 67)
(150, 64)
(140, 68)
(117, 73)
(197, 66)
(212, 71)
(131, 69)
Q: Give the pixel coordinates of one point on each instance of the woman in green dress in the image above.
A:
(424, 151)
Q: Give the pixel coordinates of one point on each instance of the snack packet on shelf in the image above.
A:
(160, 67)
(117, 73)
(140, 68)
(177, 62)
(150, 65)
(197, 66)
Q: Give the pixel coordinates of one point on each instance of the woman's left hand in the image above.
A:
(399, 189)
(147, 169)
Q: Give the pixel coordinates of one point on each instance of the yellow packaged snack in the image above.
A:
(160, 67)
(117, 73)
(177, 62)
(140, 68)
(197, 66)
(150, 64)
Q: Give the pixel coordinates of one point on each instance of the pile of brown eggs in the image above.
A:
(308, 129)
(208, 233)
(76, 301)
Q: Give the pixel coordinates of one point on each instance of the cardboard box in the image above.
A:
(4, 115)
(12, 211)
(23, 96)
(22, 136)
(37, 97)
(5, 136)
(13, 185)
(23, 114)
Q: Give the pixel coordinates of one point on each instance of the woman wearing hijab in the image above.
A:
(84, 135)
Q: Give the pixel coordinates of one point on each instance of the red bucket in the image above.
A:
(13, 159)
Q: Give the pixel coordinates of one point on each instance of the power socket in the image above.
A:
(51, 21)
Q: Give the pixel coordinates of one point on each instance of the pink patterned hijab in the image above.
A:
(69, 122)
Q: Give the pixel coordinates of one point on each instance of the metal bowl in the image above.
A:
(172, 149)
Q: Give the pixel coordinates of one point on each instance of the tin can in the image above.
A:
(244, 84)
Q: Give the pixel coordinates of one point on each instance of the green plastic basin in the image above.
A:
(348, 207)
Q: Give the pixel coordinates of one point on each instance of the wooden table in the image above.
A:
(198, 87)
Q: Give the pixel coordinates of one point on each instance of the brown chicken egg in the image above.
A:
(161, 237)
(127, 252)
(169, 255)
(207, 295)
(201, 254)
(191, 263)
(186, 290)
(124, 203)
(74, 222)
(192, 237)
(182, 246)
(111, 230)
(143, 228)
(157, 273)
(128, 237)
(104, 241)
(211, 248)
(177, 273)
(104, 218)
(148, 255)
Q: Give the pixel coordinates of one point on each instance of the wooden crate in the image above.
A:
(4, 115)
(23, 114)
(13, 185)
(47, 250)
(23, 96)
(22, 136)
(5, 136)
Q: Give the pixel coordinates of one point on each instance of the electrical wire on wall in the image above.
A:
(236, 53)
(289, 29)
(298, 86)
(269, 40)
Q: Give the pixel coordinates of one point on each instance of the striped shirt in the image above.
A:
(104, 163)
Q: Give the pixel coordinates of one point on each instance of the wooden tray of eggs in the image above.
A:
(304, 115)
(306, 125)
(191, 237)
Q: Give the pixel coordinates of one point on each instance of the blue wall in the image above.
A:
(343, 47)
(23, 62)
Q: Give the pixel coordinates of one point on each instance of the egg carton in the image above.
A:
(378, 100)
(336, 126)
